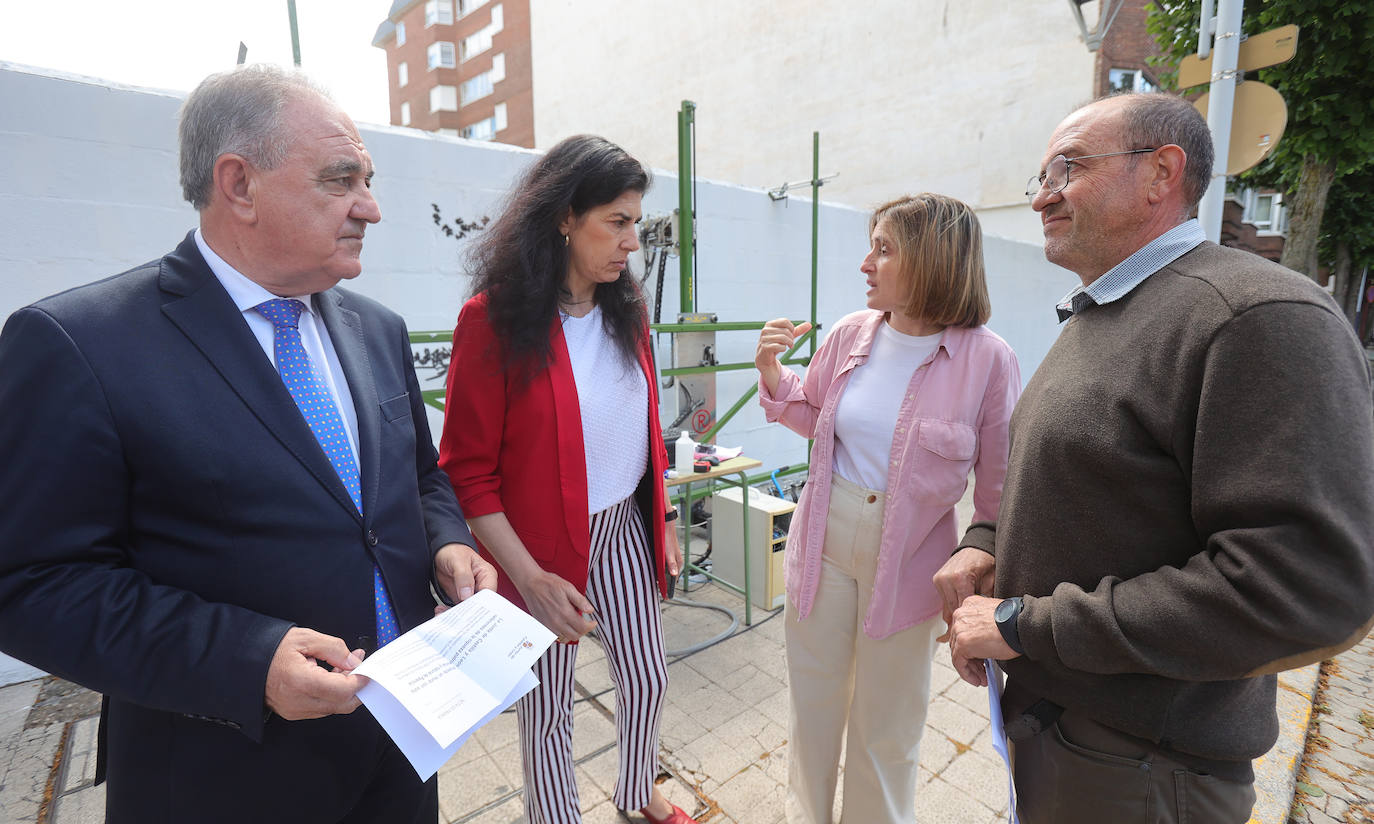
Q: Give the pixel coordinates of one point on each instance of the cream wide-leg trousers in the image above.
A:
(837, 675)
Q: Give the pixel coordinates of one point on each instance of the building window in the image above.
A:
(466, 7)
(438, 11)
(1264, 211)
(440, 55)
(500, 117)
(481, 130)
(1129, 80)
(481, 85)
(405, 114)
(480, 40)
(449, 132)
(443, 99)
(400, 34)
(475, 44)
(477, 87)
(402, 75)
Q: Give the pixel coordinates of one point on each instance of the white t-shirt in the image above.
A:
(614, 400)
(866, 417)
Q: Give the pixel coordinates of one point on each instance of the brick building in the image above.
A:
(1122, 61)
(460, 67)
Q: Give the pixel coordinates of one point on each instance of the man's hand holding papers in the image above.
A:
(433, 686)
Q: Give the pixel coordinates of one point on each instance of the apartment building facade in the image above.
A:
(460, 67)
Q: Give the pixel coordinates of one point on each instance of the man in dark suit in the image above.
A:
(212, 542)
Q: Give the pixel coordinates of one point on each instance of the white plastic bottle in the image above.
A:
(684, 453)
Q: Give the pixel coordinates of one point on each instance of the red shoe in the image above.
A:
(676, 817)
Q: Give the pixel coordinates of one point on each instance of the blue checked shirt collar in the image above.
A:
(1118, 281)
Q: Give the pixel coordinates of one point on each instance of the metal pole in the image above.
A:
(815, 224)
(295, 33)
(686, 208)
(1220, 101)
(815, 247)
(1206, 29)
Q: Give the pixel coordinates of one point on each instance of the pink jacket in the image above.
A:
(953, 420)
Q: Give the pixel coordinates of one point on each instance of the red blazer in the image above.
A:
(518, 449)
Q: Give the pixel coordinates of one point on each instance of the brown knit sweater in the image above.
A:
(1189, 505)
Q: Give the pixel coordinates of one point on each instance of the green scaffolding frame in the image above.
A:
(686, 143)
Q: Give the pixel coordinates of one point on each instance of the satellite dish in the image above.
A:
(1257, 122)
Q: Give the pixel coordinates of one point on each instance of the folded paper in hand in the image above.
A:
(433, 686)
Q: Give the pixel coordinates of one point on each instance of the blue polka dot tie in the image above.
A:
(307, 387)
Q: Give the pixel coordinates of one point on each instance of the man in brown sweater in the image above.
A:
(1189, 505)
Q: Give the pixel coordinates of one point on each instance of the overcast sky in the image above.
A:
(172, 44)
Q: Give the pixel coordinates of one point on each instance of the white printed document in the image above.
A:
(999, 730)
(432, 687)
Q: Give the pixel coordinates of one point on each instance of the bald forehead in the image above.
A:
(1088, 130)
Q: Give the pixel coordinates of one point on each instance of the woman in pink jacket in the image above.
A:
(904, 400)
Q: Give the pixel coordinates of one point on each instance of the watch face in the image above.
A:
(1004, 611)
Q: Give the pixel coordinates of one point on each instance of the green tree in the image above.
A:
(1329, 89)
(1347, 240)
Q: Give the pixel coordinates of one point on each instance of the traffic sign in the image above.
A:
(1259, 50)
(1257, 122)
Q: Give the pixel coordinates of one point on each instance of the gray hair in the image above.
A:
(236, 112)
(1157, 119)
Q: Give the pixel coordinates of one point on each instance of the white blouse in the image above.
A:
(614, 399)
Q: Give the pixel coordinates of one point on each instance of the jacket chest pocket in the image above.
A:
(942, 459)
(397, 408)
(397, 432)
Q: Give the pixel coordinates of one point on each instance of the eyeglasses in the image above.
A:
(1056, 174)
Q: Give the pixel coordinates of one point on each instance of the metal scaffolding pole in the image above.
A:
(815, 225)
(686, 120)
(295, 33)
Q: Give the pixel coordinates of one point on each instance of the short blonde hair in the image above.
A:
(940, 252)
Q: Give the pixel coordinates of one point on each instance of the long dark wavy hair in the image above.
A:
(520, 262)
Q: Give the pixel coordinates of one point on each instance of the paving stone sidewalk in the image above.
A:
(724, 737)
(47, 753)
(1336, 782)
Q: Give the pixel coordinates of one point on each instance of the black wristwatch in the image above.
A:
(1006, 615)
(670, 515)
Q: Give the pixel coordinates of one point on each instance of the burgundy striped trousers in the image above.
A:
(622, 586)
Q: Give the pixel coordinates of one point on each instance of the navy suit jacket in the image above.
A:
(168, 515)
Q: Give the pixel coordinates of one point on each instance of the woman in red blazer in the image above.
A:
(552, 440)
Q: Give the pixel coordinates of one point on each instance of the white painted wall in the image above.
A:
(1016, 222)
(908, 95)
(88, 188)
